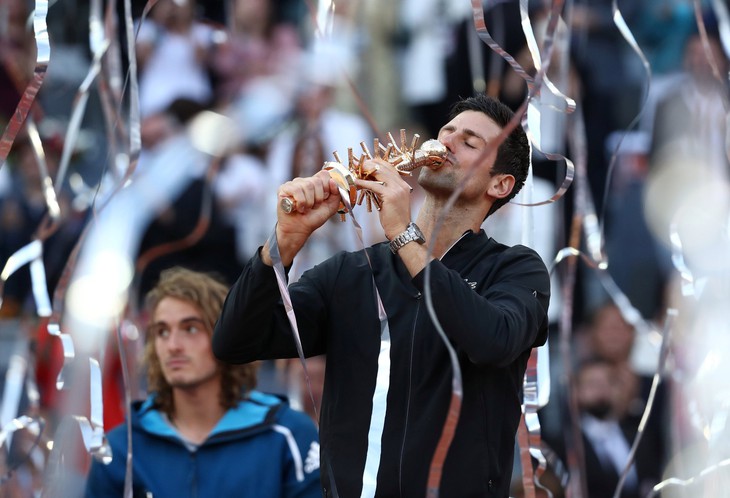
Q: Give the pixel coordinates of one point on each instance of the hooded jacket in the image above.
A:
(261, 448)
(387, 391)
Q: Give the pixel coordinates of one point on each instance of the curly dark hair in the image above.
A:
(513, 154)
(207, 294)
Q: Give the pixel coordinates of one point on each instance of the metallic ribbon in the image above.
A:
(723, 20)
(135, 127)
(676, 481)
(69, 352)
(12, 390)
(34, 425)
(687, 279)
(535, 387)
(20, 374)
(548, 48)
(33, 252)
(623, 28)
(99, 44)
(117, 229)
(382, 382)
(91, 427)
(664, 349)
(43, 56)
(705, 44)
(30, 253)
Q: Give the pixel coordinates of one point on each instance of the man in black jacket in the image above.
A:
(388, 380)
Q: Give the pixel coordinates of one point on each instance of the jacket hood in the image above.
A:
(256, 411)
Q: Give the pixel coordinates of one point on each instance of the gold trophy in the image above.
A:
(405, 158)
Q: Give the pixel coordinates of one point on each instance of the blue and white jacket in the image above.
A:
(261, 448)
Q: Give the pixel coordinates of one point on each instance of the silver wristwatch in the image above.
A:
(411, 233)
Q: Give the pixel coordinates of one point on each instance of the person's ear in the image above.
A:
(501, 185)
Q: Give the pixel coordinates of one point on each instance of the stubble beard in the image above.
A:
(185, 382)
(441, 183)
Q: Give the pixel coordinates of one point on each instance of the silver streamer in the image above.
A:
(43, 49)
(105, 252)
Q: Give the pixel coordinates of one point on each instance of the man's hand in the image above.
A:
(317, 199)
(394, 193)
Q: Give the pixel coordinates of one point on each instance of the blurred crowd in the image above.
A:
(300, 81)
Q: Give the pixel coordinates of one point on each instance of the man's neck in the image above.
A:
(196, 413)
(450, 229)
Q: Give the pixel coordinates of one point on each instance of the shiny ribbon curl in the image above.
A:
(91, 427)
(687, 279)
(534, 50)
(43, 55)
(671, 314)
(34, 426)
(723, 20)
(575, 458)
(33, 251)
(628, 36)
(99, 43)
(20, 372)
(377, 422)
(534, 85)
(676, 481)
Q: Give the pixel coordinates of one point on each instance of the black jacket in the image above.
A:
(491, 301)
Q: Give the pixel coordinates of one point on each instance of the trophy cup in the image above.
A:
(405, 158)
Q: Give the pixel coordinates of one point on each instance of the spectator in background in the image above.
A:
(318, 129)
(606, 439)
(429, 29)
(258, 46)
(661, 28)
(256, 69)
(211, 249)
(602, 59)
(690, 118)
(173, 52)
(203, 426)
(611, 339)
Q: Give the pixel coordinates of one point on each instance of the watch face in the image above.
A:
(413, 228)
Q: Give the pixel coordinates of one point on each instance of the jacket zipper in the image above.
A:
(408, 399)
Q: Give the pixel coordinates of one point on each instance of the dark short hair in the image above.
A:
(513, 155)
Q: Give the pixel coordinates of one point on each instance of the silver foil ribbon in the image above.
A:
(43, 56)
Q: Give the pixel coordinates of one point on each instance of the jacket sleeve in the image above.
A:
(253, 324)
(301, 476)
(504, 316)
(105, 481)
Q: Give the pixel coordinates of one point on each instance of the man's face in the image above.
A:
(613, 337)
(466, 137)
(183, 345)
(595, 390)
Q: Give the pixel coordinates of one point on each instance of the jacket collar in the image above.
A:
(257, 410)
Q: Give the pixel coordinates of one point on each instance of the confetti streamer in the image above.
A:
(660, 371)
(688, 281)
(723, 20)
(30, 253)
(34, 426)
(623, 28)
(91, 429)
(43, 56)
(99, 44)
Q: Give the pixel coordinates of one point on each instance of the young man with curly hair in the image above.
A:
(203, 431)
